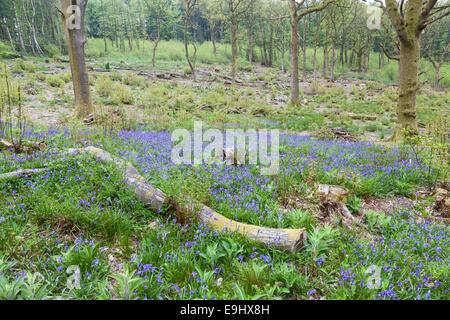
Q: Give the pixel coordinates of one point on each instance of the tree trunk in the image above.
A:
(304, 50)
(332, 59)
(316, 38)
(129, 31)
(366, 57)
(186, 47)
(271, 45)
(75, 41)
(58, 32)
(408, 85)
(325, 58)
(233, 52)
(341, 54)
(294, 63)
(155, 44)
(283, 68)
(19, 30)
(437, 78)
(104, 27)
(9, 36)
(249, 45)
(263, 32)
(32, 25)
(213, 39)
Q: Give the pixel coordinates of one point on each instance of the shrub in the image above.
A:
(122, 94)
(19, 66)
(52, 50)
(57, 58)
(66, 77)
(103, 86)
(115, 76)
(244, 65)
(93, 53)
(391, 71)
(187, 71)
(55, 81)
(430, 150)
(129, 78)
(40, 76)
(6, 52)
(336, 91)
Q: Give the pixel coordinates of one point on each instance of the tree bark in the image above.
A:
(213, 39)
(366, 57)
(325, 56)
(32, 25)
(332, 59)
(75, 41)
(104, 27)
(283, 68)
(233, 52)
(408, 85)
(9, 36)
(186, 45)
(304, 51)
(294, 63)
(19, 30)
(271, 45)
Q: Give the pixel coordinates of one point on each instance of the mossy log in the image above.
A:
(21, 173)
(155, 199)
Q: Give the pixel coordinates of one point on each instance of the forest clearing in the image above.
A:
(97, 202)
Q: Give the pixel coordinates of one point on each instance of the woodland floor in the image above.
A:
(79, 214)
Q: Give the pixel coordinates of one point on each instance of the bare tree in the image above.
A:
(189, 6)
(299, 9)
(236, 9)
(158, 11)
(437, 64)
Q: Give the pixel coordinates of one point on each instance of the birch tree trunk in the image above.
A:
(19, 30)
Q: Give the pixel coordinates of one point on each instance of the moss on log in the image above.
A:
(21, 173)
(155, 199)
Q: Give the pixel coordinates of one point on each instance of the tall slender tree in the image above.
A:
(299, 9)
(73, 12)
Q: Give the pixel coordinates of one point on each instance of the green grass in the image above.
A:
(79, 215)
(46, 232)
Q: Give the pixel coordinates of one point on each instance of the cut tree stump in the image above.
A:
(336, 196)
(155, 199)
(4, 144)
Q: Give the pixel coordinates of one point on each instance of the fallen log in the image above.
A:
(155, 199)
(23, 146)
(21, 173)
(101, 70)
